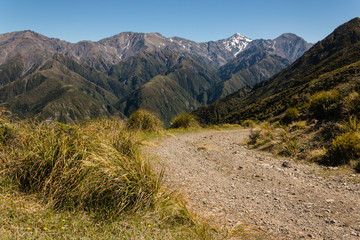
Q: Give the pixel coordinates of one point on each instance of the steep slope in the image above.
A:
(138, 70)
(56, 93)
(258, 62)
(179, 90)
(252, 66)
(327, 64)
(163, 96)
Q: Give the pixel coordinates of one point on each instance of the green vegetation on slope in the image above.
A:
(59, 88)
(56, 93)
(252, 66)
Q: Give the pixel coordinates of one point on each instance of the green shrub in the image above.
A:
(343, 149)
(86, 168)
(290, 115)
(326, 105)
(143, 120)
(248, 123)
(184, 121)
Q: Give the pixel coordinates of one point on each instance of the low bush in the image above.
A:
(185, 121)
(343, 149)
(268, 130)
(264, 138)
(143, 120)
(357, 167)
(326, 105)
(290, 115)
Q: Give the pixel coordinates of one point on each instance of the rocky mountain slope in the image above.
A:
(57, 80)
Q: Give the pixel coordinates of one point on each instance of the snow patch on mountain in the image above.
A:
(236, 43)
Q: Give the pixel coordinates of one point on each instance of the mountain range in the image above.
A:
(330, 67)
(56, 80)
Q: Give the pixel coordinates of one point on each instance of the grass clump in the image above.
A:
(88, 181)
(248, 123)
(144, 120)
(7, 132)
(289, 143)
(265, 137)
(185, 121)
(86, 168)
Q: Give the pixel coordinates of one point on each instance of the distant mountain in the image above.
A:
(57, 80)
(332, 63)
(258, 62)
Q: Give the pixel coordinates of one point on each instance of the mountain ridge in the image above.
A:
(120, 67)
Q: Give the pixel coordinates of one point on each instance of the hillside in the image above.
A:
(328, 64)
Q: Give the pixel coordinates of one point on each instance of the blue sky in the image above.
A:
(197, 20)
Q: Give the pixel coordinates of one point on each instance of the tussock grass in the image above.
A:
(276, 138)
(248, 123)
(88, 181)
(92, 167)
(289, 143)
(185, 121)
(143, 120)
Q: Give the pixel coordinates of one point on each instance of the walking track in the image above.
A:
(231, 184)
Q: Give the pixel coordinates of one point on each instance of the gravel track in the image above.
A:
(231, 184)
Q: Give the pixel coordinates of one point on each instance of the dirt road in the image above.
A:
(226, 181)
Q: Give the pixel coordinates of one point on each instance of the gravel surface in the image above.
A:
(231, 184)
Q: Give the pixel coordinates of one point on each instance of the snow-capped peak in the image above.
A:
(238, 36)
(236, 43)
